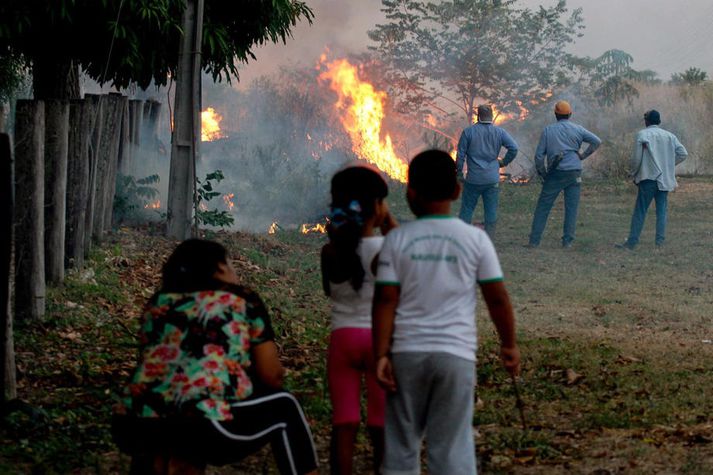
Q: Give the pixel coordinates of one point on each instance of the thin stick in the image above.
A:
(519, 402)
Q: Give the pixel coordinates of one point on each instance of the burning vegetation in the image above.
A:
(210, 125)
(362, 113)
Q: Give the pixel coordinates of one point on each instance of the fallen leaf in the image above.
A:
(573, 377)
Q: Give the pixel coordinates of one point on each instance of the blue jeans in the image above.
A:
(648, 191)
(556, 182)
(490, 194)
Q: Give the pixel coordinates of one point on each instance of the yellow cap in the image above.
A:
(563, 108)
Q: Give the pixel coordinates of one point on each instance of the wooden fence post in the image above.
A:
(151, 123)
(8, 386)
(97, 106)
(29, 216)
(56, 142)
(122, 152)
(136, 112)
(108, 156)
(81, 120)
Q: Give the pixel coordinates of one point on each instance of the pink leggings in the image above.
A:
(350, 358)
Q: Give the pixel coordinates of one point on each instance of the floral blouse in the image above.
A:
(195, 353)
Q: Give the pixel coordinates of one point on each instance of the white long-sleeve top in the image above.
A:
(656, 154)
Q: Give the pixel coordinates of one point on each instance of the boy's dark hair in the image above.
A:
(192, 265)
(355, 191)
(432, 175)
(563, 116)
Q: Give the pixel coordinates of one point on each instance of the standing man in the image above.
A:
(652, 167)
(559, 161)
(479, 147)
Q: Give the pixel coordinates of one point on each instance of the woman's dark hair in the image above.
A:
(192, 265)
(355, 191)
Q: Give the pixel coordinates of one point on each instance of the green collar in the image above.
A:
(435, 216)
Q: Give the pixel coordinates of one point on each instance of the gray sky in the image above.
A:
(664, 35)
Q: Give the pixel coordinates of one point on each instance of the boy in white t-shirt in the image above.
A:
(424, 324)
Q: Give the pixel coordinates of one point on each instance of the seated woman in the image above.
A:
(207, 387)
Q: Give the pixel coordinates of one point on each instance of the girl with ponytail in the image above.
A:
(358, 209)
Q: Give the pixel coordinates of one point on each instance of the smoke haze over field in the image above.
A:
(663, 35)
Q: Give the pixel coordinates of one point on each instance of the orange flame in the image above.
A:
(273, 228)
(363, 108)
(317, 228)
(210, 125)
(228, 200)
(501, 117)
(154, 205)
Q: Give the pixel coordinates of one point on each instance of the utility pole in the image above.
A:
(186, 135)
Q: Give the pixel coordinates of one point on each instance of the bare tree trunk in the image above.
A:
(136, 111)
(121, 156)
(151, 123)
(186, 136)
(108, 156)
(54, 79)
(82, 114)
(8, 386)
(125, 148)
(29, 218)
(3, 116)
(56, 137)
(98, 106)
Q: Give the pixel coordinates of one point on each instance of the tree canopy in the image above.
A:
(142, 34)
(452, 54)
(690, 77)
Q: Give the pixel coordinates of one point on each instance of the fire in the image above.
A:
(228, 200)
(210, 125)
(364, 112)
(500, 117)
(273, 228)
(154, 205)
(317, 228)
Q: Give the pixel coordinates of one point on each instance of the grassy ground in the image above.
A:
(616, 344)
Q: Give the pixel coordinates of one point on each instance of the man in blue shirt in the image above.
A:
(478, 148)
(559, 162)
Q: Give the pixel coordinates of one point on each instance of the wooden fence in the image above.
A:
(67, 157)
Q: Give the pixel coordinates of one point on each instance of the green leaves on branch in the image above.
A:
(205, 193)
(144, 35)
(448, 56)
(133, 195)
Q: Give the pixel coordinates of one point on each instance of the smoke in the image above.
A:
(283, 139)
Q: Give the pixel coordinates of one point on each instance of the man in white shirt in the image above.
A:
(652, 167)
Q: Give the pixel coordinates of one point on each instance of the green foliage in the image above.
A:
(447, 56)
(690, 77)
(204, 193)
(83, 30)
(12, 75)
(132, 195)
(610, 78)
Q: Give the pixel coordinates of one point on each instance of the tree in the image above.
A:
(690, 77)
(57, 37)
(612, 77)
(448, 56)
